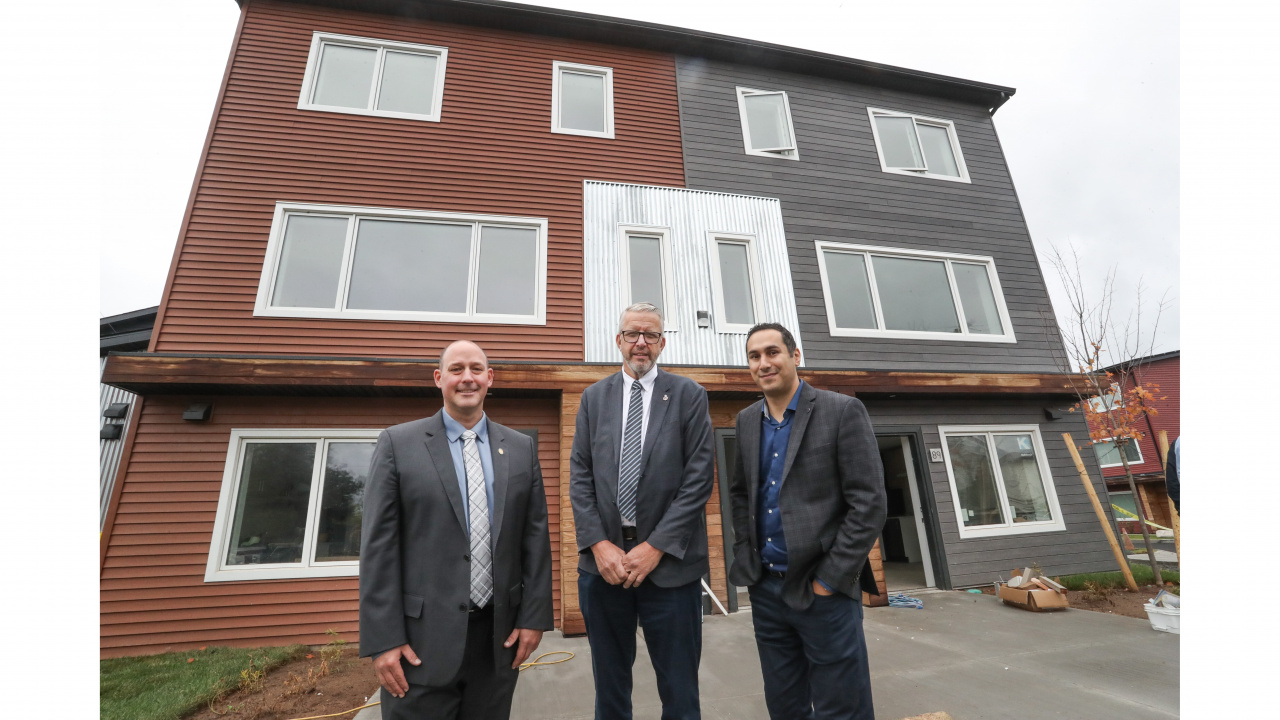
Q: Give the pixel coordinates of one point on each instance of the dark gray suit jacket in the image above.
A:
(832, 499)
(415, 569)
(676, 475)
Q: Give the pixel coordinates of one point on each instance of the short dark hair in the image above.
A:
(787, 338)
(445, 351)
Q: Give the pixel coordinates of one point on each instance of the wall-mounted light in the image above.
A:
(198, 412)
(704, 319)
(116, 410)
(111, 431)
(1052, 414)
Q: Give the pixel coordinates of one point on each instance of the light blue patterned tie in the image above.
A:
(632, 441)
(478, 514)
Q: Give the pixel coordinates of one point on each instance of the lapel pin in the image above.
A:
(499, 451)
(664, 398)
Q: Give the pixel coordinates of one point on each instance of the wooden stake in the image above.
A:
(1102, 514)
(1162, 442)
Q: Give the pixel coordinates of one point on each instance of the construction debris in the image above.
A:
(1029, 589)
(905, 601)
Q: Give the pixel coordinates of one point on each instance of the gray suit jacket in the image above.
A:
(832, 499)
(676, 475)
(415, 569)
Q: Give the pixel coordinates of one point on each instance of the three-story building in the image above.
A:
(379, 182)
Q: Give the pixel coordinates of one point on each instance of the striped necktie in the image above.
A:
(478, 515)
(632, 440)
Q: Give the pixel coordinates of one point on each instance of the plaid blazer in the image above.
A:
(832, 499)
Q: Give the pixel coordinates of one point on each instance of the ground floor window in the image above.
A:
(291, 504)
(1000, 480)
(1123, 499)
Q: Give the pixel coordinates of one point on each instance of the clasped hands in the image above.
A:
(625, 569)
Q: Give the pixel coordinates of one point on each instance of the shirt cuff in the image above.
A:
(825, 586)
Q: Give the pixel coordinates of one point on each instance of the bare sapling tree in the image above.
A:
(1103, 359)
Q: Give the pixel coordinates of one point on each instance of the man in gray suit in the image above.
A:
(455, 558)
(808, 500)
(641, 475)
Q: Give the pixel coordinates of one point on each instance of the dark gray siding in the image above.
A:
(1082, 547)
(837, 191)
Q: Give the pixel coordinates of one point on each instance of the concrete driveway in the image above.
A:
(964, 654)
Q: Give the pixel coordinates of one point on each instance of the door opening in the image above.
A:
(904, 544)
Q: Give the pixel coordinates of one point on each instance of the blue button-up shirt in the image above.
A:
(453, 430)
(774, 437)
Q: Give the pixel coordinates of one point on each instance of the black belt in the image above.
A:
(775, 573)
(478, 610)
(629, 533)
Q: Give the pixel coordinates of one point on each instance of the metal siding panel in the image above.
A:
(109, 450)
(689, 215)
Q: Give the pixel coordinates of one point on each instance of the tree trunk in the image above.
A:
(1137, 505)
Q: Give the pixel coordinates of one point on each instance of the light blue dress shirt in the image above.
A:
(453, 430)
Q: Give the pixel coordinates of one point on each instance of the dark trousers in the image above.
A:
(672, 622)
(478, 692)
(814, 661)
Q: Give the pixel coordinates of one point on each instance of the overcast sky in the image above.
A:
(1091, 136)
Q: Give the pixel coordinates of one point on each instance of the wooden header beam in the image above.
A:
(154, 373)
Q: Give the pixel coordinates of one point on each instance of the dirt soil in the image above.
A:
(301, 689)
(1117, 601)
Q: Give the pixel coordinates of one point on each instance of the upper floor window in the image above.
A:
(766, 123)
(330, 261)
(291, 504)
(581, 99)
(1000, 480)
(373, 77)
(917, 145)
(1108, 402)
(735, 283)
(646, 269)
(1109, 454)
(884, 292)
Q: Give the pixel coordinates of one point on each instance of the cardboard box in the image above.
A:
(1033, 600)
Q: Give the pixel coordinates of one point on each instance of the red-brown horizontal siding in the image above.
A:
(1163, 375)
(493, 152)
(153, 594)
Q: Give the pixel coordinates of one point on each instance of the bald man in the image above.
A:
(455, 558)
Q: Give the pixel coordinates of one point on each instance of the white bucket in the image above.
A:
(1163, 619)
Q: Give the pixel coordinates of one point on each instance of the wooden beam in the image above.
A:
(1162, 443)
(1102, 515)
(144, 373)
(571, 621)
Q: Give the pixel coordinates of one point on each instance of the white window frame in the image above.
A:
(936, 122)
(216, 570)
(1132, 441)
(1098, 403)
(275, 243)
(625, 232)
(320, 39)
(791, 153)
(1046, 476)
(607, 73)
(717, 283)
(880, 332)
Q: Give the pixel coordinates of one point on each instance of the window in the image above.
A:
(1123, 500)
(915, 145)
(735, 285)
(328, 261)
(581, 99)
(1000, 480)
(1109, 455)
(884, 292)
(1108, 402)
(766, 123)
(291, 504)
(646, 271)
(373, 77)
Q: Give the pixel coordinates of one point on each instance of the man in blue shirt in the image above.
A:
(808, 499)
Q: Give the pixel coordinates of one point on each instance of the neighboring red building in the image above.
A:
(1161, 371)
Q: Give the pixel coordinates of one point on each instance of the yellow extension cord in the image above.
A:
(523, 667)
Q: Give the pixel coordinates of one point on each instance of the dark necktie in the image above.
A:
(632, 440)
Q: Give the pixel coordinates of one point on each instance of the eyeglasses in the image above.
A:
(651, 338)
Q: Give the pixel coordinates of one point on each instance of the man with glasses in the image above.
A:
(640, 480)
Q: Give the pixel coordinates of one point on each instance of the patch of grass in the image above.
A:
(168, 686)
(1114, 579)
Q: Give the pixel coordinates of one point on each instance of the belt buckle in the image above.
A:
(628, 533)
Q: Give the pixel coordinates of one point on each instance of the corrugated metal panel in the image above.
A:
(109, 450)
(492, 152)
(153, 595)
(689, 215)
